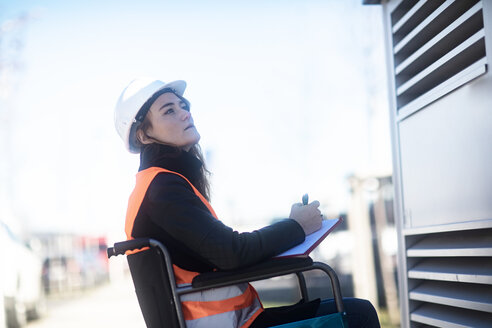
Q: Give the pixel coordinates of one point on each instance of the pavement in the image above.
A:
(111, 305)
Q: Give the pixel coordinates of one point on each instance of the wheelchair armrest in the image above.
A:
(270, 268)
(120, 248)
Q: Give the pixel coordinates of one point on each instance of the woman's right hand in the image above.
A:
(308, 216)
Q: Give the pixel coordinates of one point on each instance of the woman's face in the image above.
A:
(171, 123)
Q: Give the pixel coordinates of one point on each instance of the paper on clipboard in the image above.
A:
(312, 240)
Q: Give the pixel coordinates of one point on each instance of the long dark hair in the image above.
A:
(201, 182)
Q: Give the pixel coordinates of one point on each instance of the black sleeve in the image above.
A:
(173, 206)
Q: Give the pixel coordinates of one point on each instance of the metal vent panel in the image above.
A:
(450, 317)
(400, 10)
(437, 46)
(457, 32)
(467, 296)
(471, 270)
(450, 277)
(454, 244)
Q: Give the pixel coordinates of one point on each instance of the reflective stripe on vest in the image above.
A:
(231, 306)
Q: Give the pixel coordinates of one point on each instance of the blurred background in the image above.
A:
(289, 98)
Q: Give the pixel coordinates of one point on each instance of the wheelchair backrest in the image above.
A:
(152, 286)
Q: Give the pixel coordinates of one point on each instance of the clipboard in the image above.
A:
(313, 240)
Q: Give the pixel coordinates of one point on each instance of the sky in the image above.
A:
(288, 96)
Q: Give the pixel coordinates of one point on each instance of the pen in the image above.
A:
(305, 199)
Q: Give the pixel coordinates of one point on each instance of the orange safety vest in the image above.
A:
(232, 306)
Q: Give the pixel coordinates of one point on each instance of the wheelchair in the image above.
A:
(159, 297)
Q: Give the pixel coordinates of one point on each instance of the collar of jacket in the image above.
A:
(170, 158)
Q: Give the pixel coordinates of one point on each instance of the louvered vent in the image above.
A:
(450, 278)
(437, 46)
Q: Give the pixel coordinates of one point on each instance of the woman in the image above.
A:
(170, 203)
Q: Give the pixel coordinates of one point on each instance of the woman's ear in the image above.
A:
(143, 138)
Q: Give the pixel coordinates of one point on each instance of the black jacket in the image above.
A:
(173, 214)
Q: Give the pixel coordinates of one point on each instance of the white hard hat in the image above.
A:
(133, 97)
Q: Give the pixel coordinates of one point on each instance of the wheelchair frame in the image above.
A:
(268, 269)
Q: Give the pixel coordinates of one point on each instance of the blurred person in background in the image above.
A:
(170, 203)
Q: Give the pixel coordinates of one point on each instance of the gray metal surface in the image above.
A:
(460, 226)
(408, 22)
(388, 12)
(468, 243)
(470, 20)
(450, 317)
(446, 158)
(471, 72)
(472, 45)
(413, 39)
(442, 158)
(468, 270)
(467, 296)
(441, 40)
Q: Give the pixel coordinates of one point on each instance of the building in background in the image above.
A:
(371, 225)
(438, 54)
